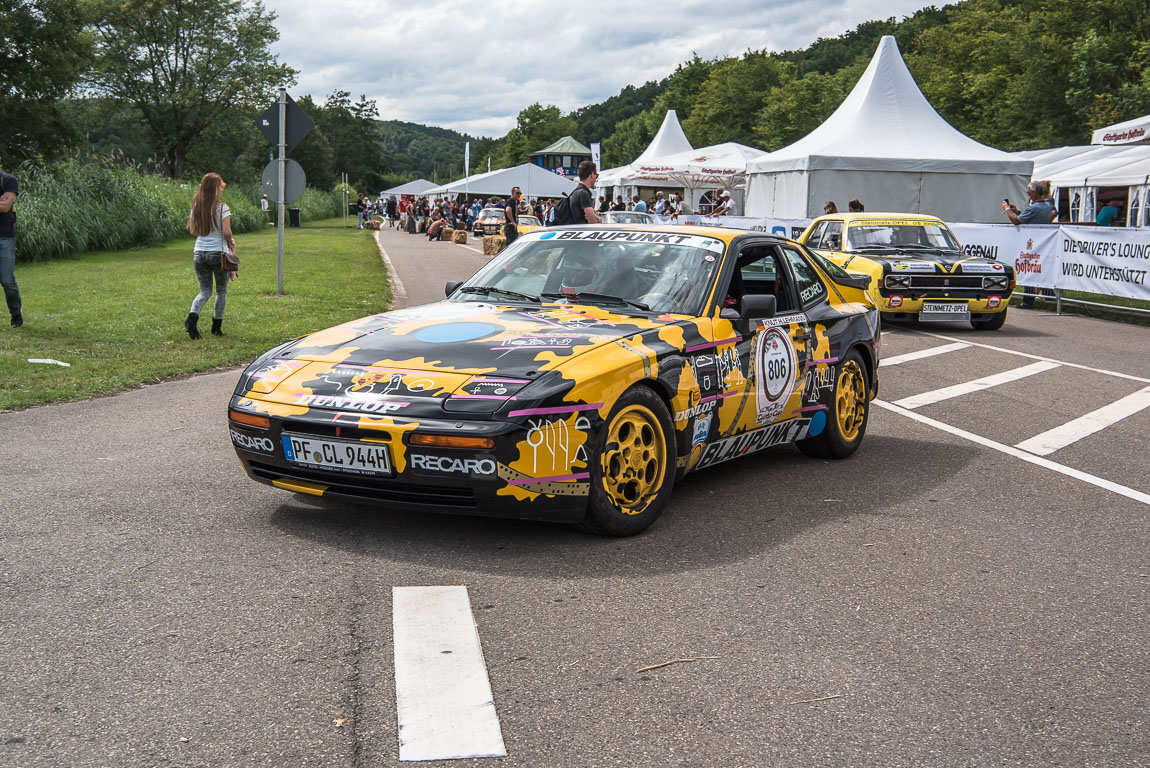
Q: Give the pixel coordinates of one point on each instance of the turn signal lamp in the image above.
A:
(894, 301)
(453, 441)
(250, 419)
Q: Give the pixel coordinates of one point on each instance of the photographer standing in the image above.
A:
(1039, 211)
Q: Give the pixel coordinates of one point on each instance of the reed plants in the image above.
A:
(104, 204)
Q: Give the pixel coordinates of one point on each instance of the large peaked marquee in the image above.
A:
(887, 146)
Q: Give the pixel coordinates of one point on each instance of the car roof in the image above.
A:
(725, 234)
(861, 218)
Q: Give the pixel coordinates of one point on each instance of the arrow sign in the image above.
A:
(299, 124)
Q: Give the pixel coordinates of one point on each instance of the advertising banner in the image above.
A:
(1032, 251)
(1108, 260)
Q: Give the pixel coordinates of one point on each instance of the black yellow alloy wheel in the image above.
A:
(851, 400)
(847, 412)
(633, 470)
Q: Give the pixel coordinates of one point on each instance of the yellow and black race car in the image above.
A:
(917, 267)
(573, 378)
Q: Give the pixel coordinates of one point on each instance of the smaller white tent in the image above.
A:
(721, 165)
(1136, 131)
(1081, 171)
(669, 140)
(417, 187)
(887, 146)
(533, 180)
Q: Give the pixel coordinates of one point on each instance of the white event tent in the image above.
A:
(1136, 131)
(887, 146)
(720, 165)
(417, 187)
(669, 140)
(1077, 174)
(533, 180)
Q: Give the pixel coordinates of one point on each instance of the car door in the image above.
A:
(772, 346)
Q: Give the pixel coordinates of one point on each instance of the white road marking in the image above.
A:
(1072, 431)
(1035, 357)
(396, 284)
(1010, 450)
(442, 694)
(986, 382)
(919, 355)
(468, 247)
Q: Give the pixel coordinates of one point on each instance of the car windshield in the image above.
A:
(902, 235)
(654, 271)
(627, 217)
(491, 213)
(523, 219)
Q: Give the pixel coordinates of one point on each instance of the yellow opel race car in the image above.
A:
(917, 267)
(573, 378)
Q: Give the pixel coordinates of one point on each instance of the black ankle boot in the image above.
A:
(190, 325)
(216, 323)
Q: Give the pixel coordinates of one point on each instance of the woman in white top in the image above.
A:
(210, 221)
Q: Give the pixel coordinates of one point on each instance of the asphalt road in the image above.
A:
(936, 600)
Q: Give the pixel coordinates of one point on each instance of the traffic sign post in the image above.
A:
(285, 125)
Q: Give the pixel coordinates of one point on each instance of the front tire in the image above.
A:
(633, 470)
(988, 322)
(847, 415)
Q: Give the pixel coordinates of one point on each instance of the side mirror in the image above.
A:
(453, 285)
(755, 306)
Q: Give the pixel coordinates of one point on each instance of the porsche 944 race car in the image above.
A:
(917, 267)
(573, 378)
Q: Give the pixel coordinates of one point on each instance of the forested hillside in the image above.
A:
(1014, 74)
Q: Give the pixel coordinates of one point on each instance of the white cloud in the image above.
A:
(473, 67)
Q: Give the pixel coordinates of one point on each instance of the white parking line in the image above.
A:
(468, 247)
(986, 382)
(1072, 431)
(1034, 357)
(919, 355)
(442, 694)
(396, 284)
(1010, 450)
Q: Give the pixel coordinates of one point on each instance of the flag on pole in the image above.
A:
(489, 163)
(467, 167)
(595, 155)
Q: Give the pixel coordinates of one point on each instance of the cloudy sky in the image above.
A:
(473, 66)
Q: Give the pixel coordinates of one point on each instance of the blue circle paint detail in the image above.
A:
(449, 332)
(818, 424)
(547, 236)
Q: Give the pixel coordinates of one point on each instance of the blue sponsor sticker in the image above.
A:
(818, 423)
(702, 430)
(547, 235)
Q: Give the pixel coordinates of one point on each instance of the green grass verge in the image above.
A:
(118, 317)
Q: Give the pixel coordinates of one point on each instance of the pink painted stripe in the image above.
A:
(506, 381)
(534, 346)
(719, 396)
(813, 408)
(559, 409)
(483, 397)
(554, 479)
(824, 361)
(543, 319)
(710, 344)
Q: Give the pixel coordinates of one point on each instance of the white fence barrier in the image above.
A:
(1111, 261)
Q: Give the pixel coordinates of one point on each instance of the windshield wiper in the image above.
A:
(600, 298)
(496, 289)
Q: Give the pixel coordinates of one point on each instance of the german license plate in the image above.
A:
(340, 455)
(944, 311)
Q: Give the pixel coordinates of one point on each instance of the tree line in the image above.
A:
(174, 85)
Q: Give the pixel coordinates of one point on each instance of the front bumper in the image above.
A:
(478, 482)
